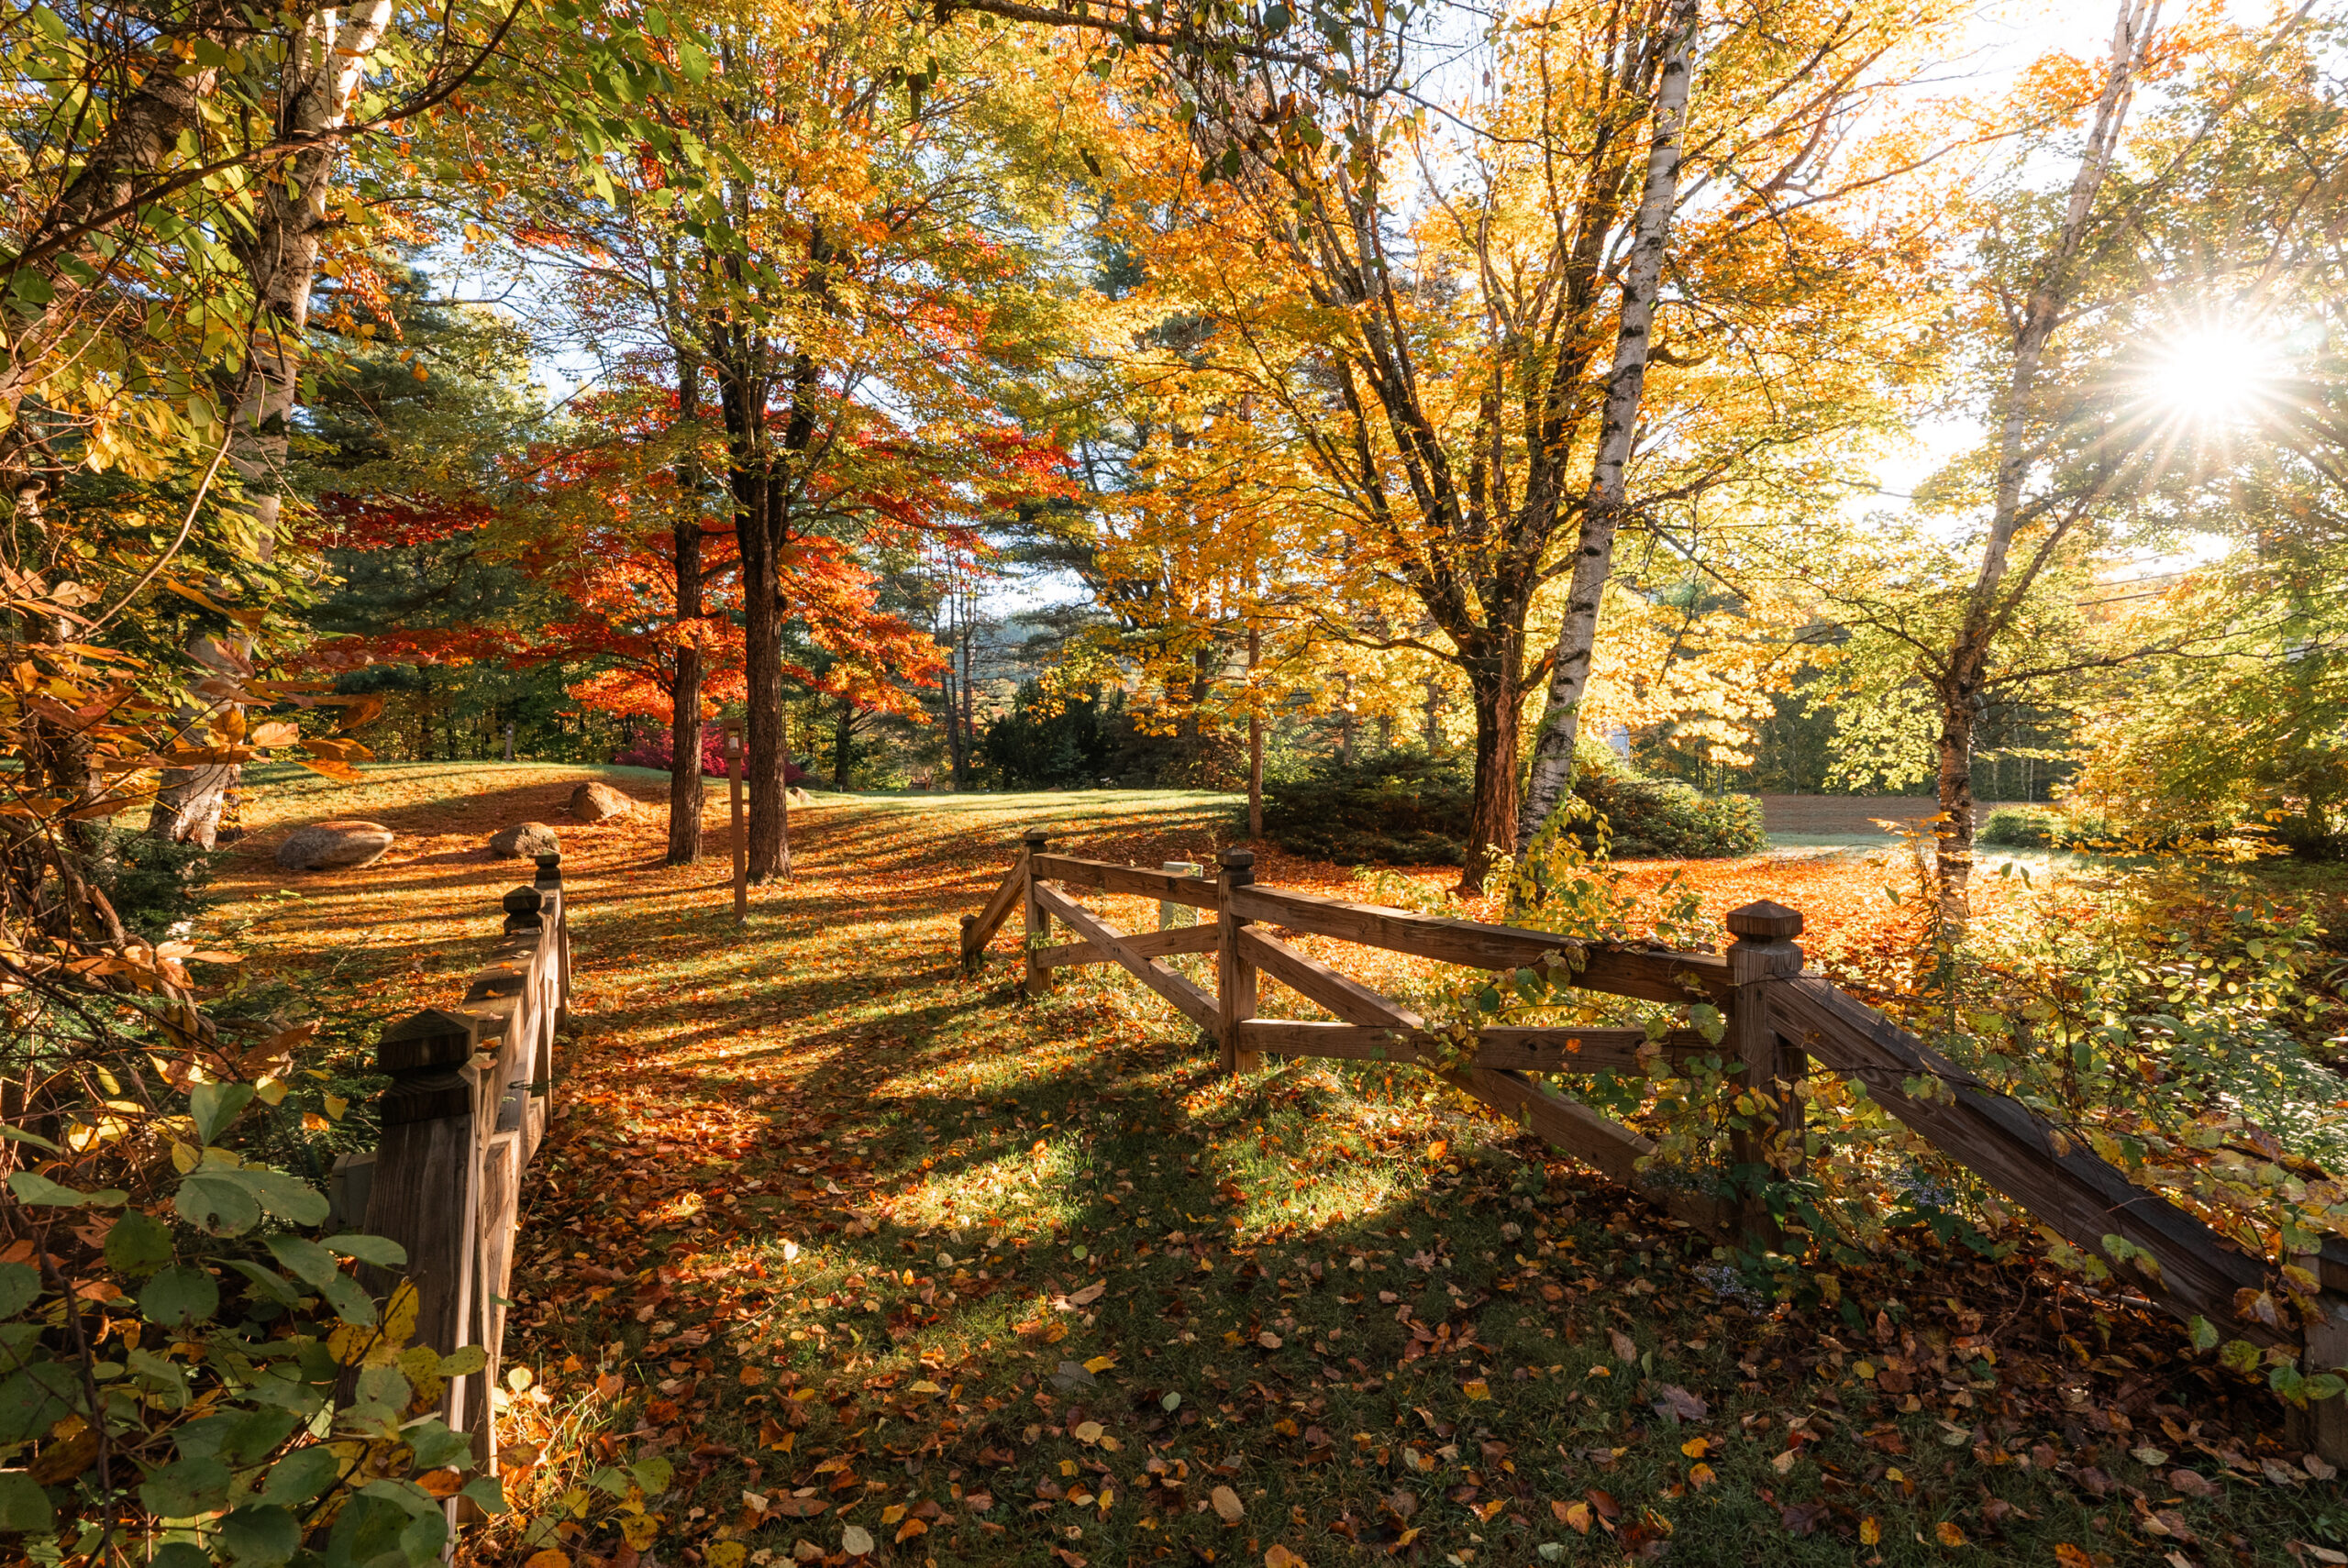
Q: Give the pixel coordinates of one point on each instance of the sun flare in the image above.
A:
(2213, 375)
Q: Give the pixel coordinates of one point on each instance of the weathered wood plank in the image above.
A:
(1191, 1002)
(1162, 886)
(978, 933)
(2081, 1198)
(1595, 1140)
(1315, 982)
(1620, 971)
(1148, 944)
(1557, 1050)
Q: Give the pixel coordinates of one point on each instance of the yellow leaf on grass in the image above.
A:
(637, 1530)
(549, 1558)
(1101, 1363)
(1227, 1505)
(1087, 1432)
(1476, 1388)
(1948, 1532)
(911, 1528)
(2070, 1556)
(892, 1513)
(1701, 1477)
(1694, 1448)
(1576, 1515)
(1281, 1557)
(724, 1554)
(1870, 1531)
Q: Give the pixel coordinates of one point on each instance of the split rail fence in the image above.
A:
(1782, 1026)
(468, 1106)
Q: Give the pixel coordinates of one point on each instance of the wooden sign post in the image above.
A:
(741, 841)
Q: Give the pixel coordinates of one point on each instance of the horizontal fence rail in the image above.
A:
(1781, 1025)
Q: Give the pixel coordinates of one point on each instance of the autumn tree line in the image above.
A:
(1509, 379)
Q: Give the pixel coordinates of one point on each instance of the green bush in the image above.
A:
(1663, 819)
(152, 883)
(1402, 807)
(2050, 827)
(1407, 808)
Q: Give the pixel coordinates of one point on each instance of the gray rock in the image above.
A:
(595, 801)
(334, 847)
(525, 841)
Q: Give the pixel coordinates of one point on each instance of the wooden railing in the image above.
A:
(1781, 1025)
(468, 1103)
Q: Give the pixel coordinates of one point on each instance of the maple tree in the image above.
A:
(1440, 388)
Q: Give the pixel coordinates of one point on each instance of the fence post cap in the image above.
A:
(1037, 838)
(1236, 859)
(1765, 920)
(523, 900)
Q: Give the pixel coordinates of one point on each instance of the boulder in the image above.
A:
(525, 841)
(596, 802)
(334, 847)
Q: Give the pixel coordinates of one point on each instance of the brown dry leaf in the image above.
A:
(1090, 1293)
(1281, 1557)
(1227, 1505)
(549, 1558)
(2192, 1483)
(1625, 1348)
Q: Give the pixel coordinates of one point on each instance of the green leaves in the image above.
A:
(180, 1298)
(316, 1266)
(228, 1200)
(19, 1285)
(24, 1507)
(30, 1186)
(214, 1106)
(138, 1245)
(185, 1489)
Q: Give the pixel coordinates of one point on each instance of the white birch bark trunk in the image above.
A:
(322, 77)
(1552, 771)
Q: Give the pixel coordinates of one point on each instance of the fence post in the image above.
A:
(1235, 976)
(1764, 952)
(427, 1167)
(1038, 979)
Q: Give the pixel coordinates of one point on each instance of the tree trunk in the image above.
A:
(763, 661)
(1997, 590)
(1254, 739)
(321, 75)
(1551, 776)
(1495, 683)
(843, 744)
(1952, 833)
(686, 791)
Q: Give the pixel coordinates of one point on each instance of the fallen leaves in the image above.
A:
(1227, 1505)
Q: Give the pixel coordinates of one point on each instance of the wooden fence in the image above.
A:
(468, 1104)
(1782, 1026)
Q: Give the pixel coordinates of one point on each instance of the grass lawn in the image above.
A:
(830, 1242)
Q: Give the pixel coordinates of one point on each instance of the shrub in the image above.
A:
(655, 749)
(152, 883)
(1404, 808)
(1407, 808)
(1663, 819)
